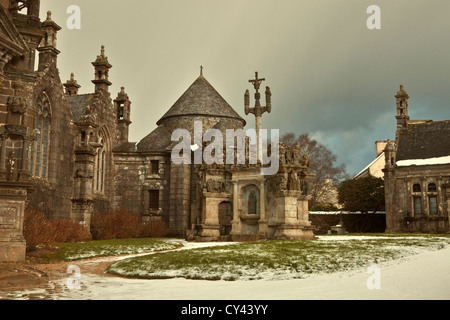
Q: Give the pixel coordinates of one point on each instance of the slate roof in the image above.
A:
(424, 141)
(158, 140)
(78, 104)
(201, 99)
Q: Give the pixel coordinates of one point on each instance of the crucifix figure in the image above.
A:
(258, 110)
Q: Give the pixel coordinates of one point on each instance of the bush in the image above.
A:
(324, 207)
(38, 230)
(124, 224)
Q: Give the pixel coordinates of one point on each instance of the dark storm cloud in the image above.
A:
(329, 74)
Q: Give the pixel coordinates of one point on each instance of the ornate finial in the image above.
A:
(402, 92)
(201, 70)
(122, 95)
(102, 52)
(49, 15)
(72, 77)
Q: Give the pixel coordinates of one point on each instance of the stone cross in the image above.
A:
(258, 110)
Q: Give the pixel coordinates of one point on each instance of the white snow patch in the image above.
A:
(424, 276)
(424, 162)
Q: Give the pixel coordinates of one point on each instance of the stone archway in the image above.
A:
(225, 217)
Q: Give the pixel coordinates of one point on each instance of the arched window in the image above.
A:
(39, 159)
(433, 203)
(100, 168)
(252, 202)
(101, 163)
(416, 188)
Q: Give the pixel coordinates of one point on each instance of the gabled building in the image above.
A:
(417, 173)
(375, 168)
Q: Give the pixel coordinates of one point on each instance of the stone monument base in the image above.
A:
(13, 197)
(287, 232)
(12, 251)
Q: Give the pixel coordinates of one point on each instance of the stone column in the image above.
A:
(3, 153)
(262, 211)
(236, 222)
(82, 187)
(209, 230)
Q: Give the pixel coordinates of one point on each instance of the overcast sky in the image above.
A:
(329, 74)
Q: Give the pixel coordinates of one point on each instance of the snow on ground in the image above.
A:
(423, 276)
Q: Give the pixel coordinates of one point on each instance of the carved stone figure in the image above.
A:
(11, 164)
(303, 184)
(296, 155)
(292, 181)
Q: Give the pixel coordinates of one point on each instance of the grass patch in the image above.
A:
(277, 259)
(100, 248)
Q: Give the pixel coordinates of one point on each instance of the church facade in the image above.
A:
(68, 154)
(417, 173)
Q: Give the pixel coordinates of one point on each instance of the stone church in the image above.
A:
(417, 173)
(67, 154)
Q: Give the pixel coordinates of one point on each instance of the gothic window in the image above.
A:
(100, 186)
(432, 187)
(417, 205)
(433, 205)
(101, 164)
(100, 169)
(153, 199)
(416, 188)
(39, 151)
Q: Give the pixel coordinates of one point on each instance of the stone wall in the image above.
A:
(53, 193)
(401, 216)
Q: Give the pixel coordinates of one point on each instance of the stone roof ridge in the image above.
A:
(201, 98)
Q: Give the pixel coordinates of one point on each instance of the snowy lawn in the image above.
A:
(101, 248)
(278, 260)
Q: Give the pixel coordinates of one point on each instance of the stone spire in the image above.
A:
(47, 48)
(402, 108)
(122, 105)
(101, 66)
(71, 86)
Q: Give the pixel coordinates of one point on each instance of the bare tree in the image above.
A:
(323, 164)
